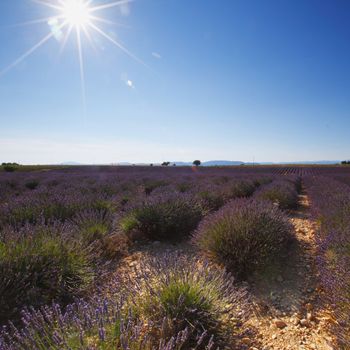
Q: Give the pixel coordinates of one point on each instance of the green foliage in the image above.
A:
(34, 270)
(184, 186)
(129, 223)
(169, 218)
(92, 225)
(104, 206)
(99, 324)
(150, 185)
(94, 230)
(283, 193)
(212, 199)
(32, 184)
(58, 208)
(182, 294)
(240, 189)
(10, 167)
(262, 181)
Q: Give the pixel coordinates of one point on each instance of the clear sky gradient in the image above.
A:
(229, 79)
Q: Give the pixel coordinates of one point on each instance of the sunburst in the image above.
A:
(73, 17)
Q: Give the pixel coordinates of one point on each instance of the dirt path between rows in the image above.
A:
(285, 302)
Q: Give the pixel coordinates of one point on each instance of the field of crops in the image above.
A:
(169, 257)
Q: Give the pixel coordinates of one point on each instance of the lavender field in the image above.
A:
(175, 258)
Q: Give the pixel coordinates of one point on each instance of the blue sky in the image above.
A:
(229, 79)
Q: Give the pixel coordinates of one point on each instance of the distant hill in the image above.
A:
(222, 163)
(310, 162)
(70, 163)
(237, 162)
(211, 163)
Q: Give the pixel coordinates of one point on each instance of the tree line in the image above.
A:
(196, 162)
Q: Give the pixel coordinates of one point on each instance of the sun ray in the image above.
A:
(106, 21)
(89, 37)
(30, 51)
(48, 4)
(65, 39)
(109, 5)
(120, 46)
(81, 68)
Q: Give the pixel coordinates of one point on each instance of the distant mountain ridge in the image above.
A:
(212, 163)
(220, 163)
(70, 163)
(237, 162)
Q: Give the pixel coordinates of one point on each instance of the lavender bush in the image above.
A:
(91, 225)
(331, 208)
(212, 197)
(89, 326)
(174, 293)
(239, 189)
(164, 217)
(38, 267)
(32, 184)
(172, 304)
(282, 192)
(244, 236)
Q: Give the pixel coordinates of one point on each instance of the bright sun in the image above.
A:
(79, 17)
(76, 12)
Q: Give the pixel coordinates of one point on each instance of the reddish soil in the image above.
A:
(288, 313)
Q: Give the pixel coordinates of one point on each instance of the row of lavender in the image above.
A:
(57, 230)
(330, 201)
(55, 226)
